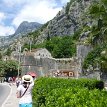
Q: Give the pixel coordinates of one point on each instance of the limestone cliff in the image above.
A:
(68, 20)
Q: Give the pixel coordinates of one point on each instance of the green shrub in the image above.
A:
(45, 85)
(76, 97)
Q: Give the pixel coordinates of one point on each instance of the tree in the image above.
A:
(2, 66)
(9, 68)
(61, 47)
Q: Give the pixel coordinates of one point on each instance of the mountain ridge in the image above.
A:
(26, 27)
(22, 30)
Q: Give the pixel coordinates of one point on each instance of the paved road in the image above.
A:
(4, 92)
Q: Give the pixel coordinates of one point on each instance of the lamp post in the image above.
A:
(30, 43)
(19, 52)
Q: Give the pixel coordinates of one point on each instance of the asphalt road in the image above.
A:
(4, 92)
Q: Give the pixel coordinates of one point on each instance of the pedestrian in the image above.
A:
(10, 80)
(18, 81)
(24, 91)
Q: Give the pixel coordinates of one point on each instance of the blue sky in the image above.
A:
(13, 12)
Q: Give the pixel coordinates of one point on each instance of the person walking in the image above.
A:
(24, 91)
(18, 81)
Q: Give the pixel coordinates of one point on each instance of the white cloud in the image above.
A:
(64, 1)
(37, 11)
(27, 10)
(6, 30)
(11, 3)
(2, 17)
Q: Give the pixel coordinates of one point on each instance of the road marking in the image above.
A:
(7, 96)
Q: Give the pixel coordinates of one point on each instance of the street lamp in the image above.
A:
(30, 43)
(19, 52)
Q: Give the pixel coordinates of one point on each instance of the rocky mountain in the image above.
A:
(68, 20)
(26, 27)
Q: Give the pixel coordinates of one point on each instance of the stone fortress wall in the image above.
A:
(45, 65)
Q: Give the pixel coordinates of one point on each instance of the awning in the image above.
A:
(32, 73)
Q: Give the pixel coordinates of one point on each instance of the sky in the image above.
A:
(13, 12)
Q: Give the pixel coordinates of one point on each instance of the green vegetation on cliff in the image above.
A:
(60, 47)
(98, 35)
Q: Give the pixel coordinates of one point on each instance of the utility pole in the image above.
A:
(30, 43)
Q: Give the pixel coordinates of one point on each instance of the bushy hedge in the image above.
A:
(43, 86)
(76, 97)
